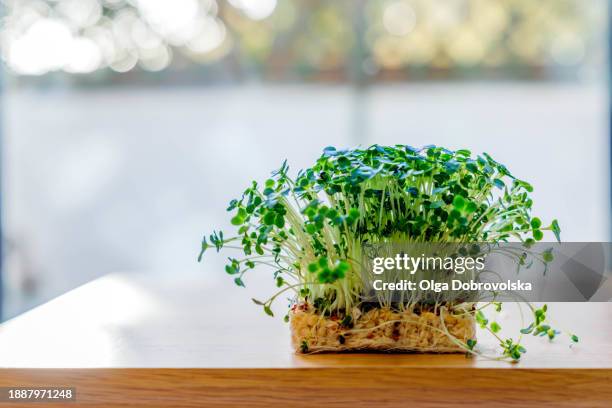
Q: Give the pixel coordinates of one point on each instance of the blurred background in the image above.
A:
(127, 125)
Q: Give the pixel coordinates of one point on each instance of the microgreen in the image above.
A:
(512, 350)
(311, 228)
(481, 319)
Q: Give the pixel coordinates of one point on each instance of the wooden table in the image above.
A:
(164, 341)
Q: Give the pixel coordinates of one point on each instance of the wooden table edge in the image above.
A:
(345, 387)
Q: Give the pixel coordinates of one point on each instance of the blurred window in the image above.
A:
(128, 124)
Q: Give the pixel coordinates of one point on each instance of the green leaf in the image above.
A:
(481, 319)
(458, 202)
(231, 269)
(574, 338)
(343, 266)
(239, 282)
(471, 343)
(329, 151)
(556, 230)
(323, 262)
(269, 218)
(353, 213)
(471, 207)
(268, 310)
(536, 223)
(279, 221)
(325, 276)
(540, 316)
(495, 327)
(528, 187)
(257, 302)
(233, 204)
(204, 248)
(538, 235)
(528, 329)
(237, 220)
(499, 183)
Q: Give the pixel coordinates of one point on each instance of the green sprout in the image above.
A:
(311, 228)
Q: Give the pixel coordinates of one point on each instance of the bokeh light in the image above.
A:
(300, 37)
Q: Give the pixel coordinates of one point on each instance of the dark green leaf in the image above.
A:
(536, 223)
(268, 310)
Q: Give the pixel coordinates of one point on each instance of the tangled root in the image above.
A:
(381, 329)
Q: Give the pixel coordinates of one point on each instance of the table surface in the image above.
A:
(141, 321)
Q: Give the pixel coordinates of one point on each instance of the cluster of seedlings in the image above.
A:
(312, 229)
